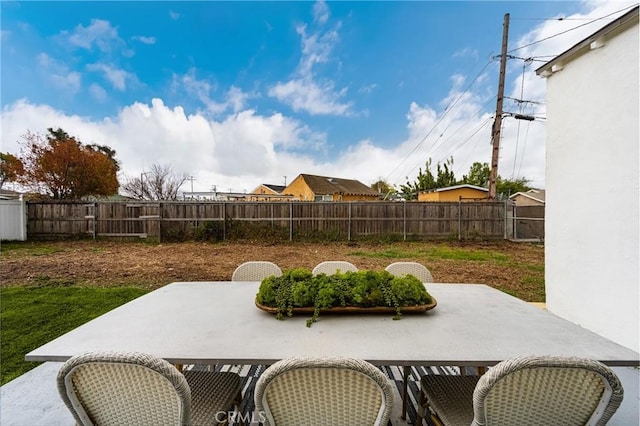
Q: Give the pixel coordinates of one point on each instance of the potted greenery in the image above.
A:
(298, 290)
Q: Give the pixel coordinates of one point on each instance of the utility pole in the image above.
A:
(497, 124)
(191, 178)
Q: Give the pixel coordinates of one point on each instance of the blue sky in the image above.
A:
(237, 94)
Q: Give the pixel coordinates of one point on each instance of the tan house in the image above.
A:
(533, 197)
(268, 192)
(323, 188)
(455, 193)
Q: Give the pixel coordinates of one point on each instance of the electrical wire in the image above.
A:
(572, 29)
(446, 111)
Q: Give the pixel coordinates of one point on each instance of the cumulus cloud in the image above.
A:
(203, 90)
(305, 91)
(117, 77)
(241, 151)
(59, 74)
(97, 92)
(145, 39)
(98, 33)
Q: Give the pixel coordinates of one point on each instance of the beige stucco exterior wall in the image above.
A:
(592, 244)
(299, 189)
(467, 194)
(521, 200)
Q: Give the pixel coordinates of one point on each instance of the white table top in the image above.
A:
(218, 323)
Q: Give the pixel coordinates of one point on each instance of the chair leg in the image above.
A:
(422, 408)
(405, 393)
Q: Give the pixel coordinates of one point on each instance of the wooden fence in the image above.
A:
(289, 220)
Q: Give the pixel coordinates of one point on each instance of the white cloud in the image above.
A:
(145, 39)
(314, 97)
(203, 90)
(174, 15)
(305, 91)
(466, 52)
(59, 74)
(99, 33)
(117, 77)
(97, 92)
(320, 12)
(241, 151)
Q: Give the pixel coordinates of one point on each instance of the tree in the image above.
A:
(383, 187)
(478, 175)
(62, 167)
(509, 187)
(11, 168)
(426, 180)
(160, 183)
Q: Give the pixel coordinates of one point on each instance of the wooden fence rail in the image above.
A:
(339, 220)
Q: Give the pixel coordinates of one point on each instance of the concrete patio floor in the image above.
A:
(32, 399)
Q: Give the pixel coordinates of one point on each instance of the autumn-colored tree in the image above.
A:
(63, 168)
(11, 168)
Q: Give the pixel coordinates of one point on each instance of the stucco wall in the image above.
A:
(591, 243)
(468, 194)
(299, 189)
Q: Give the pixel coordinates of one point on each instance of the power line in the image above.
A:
(572, 29)
(446, 111)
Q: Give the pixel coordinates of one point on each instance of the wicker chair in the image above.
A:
(323, 391)
(255, 271)
(534, 390)
(417, 270)
(128, 388)
(333, 266)
(423, 274)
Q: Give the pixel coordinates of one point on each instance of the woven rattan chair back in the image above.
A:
(323, 391)
(547, 391)
(416, 269)
(124, 389)
(255, 271)
(332, 266)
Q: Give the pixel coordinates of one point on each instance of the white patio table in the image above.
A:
(218, 323)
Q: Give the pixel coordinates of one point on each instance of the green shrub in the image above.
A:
(298, 288)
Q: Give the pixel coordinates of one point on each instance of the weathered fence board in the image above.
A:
(343, 220)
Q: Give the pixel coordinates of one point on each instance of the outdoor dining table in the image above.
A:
(219, 323)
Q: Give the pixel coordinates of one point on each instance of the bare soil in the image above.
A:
(517, 268)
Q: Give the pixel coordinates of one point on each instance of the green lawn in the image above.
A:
(32, 316)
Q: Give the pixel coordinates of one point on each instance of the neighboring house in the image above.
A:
(592, 182)
(7, 194)
(532, 197)
(268, 192)
(323, 188)
(455, 193)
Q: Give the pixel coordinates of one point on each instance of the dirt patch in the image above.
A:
(513, 267)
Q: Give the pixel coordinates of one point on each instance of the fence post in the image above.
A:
(505, 219)
(290, 221)
(95, 220)
(459, 218)
(404, 220)
(224, 221)
(349, 224)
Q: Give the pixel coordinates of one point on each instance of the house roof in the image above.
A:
(276, 188)
(325, 185)
(454, 187)
(594, 41)
(534, 194)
